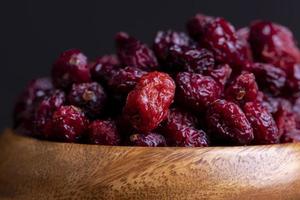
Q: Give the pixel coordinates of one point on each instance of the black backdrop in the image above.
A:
(34, 32)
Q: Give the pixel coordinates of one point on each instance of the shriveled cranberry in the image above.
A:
(220, 74)
(273, 43)
(103, 132)
(148, 140)
(132, 52)
(293, 80)
(264, 127)
(178, 116)
(25, 106)
(71, 67)
(195, 91)
(124, 80)
(104, 67)
(243, 89)
(69, 124)
(243, 37)
(147, 105)
(296, 111)
(293, 136)
(269, 77)
(285, 120)
(44, 112)
(191, 59)
(226, 120)
(166, 39)
(90, 97)
(197, 24)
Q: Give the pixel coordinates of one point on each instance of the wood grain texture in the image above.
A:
(32, 169)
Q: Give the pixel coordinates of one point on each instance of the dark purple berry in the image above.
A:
(90, 97)
(148, 140)
(197, 24)
(132, 52)
(103, 132)
(103, 68)
(293, 80)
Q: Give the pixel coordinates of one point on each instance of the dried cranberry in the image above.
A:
(293, 136)
(69, 124)
(296, 111)
(285, 120)
(195, 91)
(293, 80)
(264, 127)
(191, 59)
(90, 97)
(243, 89)
(103, 132)
(25, 106)
(132, 52)
(71, 67)
(103, 68)
(243, 36)
(196, 26)
(269, 77)
(273, 43)
(148, 140)
(166, 39)
(220, 74)
(178, 116)
(147, 105)
(44, 112)
(226, 120)
(124, 80)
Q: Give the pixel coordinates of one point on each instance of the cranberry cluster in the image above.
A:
(215, 86)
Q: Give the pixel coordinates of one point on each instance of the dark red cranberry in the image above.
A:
(103, 68)
(293, 80)
(243, 37)
(124, 80)
(269, 77)
(243, 89)
(273, 43)
(25, 106)
(147, 105)
(220, 74)
(166, 39)
(293, 136)
(285, 120)
(191, 59)
(148, 140)
(90, 97)
(132, 52)
(196, 26)
(44, 112)
(226, 120)
(71, 67)
(178, 116)
(264, 127)
(103, 132)
(296, 111)
(195, 91)
(69, 124)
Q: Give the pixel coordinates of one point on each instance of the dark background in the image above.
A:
(34, 32)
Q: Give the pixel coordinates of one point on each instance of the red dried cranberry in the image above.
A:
(71, 67)
(69, 123)
(196, 26)
(103, 132)
(147, 105)
(191, 59)
(269, 77)
(44, 112)
(264, 127)
(166, 39)
(103, 68)
(285, 120)
(293, 136)
(296, 111)
(90, 97)
(25, 106)
(243, 89)
(148, 140)
(132, 52)
(180, 117)
(220, 74)
(293, 80)
(273, 43)
(243, 36)
(124, 80)
(226, 120)
(195, 91)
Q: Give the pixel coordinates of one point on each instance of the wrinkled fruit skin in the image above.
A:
(71, 67)
(264, 127)
(69, 124)
(195, 91)
(220, 74)
(44, 112)
(196, 26)
(25, 106)
(273, 43)
(148, 140)
(90, 97)
(243, 89)
(132, 52)
(164, 40)
(226, 120)
(104, 67)
(147, 105)
(293, 79)
(103, 132)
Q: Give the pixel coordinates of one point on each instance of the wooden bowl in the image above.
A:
(33, 169)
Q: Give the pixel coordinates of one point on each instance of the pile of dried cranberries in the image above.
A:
(215, 86)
